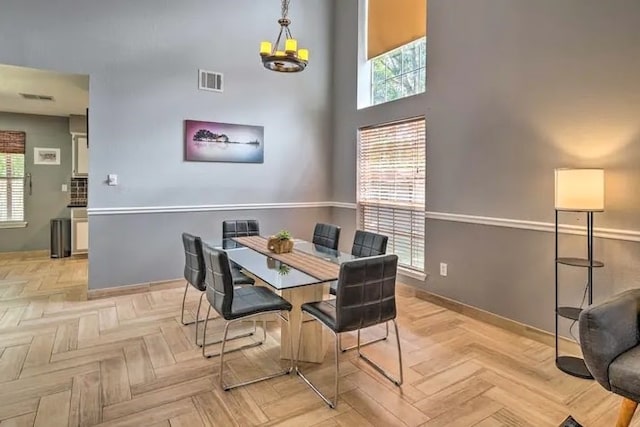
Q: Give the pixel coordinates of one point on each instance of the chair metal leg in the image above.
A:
(255, 380)
(244, 347)
(184, 298)
(200, 344)
(293, 360)
(337, 355)
(373, 341)
(377, 367)
(332, 404)
(198, 317)
(224, 341)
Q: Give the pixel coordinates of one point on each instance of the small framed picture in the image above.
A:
(46, 156)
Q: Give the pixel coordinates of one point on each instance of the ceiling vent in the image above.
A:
(34, 97)
(211, 81)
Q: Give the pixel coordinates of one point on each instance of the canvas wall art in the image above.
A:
(223, 142)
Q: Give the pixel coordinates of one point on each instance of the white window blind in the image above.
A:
(11, 187)
(391, 187)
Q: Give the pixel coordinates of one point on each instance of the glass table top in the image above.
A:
(276, 273)
(322, 252)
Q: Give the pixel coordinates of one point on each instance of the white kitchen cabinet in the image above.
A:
(79, 231)
(82, 236)
(80, 156)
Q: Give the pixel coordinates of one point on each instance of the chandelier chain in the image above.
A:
(285, 8)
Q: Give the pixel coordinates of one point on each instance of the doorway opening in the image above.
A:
(44, 170)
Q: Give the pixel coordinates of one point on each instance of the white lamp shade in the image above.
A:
(580, 190)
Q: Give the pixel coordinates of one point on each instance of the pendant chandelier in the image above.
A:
(284, 56)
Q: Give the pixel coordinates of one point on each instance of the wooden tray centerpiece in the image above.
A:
(281, 243)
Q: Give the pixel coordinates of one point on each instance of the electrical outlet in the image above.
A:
(65, 188)
(443, 269)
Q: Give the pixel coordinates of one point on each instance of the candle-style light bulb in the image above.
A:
(265, 48)
(290, 46)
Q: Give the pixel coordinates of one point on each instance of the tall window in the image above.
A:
(12, 146)
(396, 49)
(391, 187)
(399, 73)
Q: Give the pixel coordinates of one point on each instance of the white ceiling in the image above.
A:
(70, 91)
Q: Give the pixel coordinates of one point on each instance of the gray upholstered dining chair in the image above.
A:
(194, 274)
(235, 304)
(365, 244)
(240, 228)
(610, 342)
(366, 296)
(327, 235)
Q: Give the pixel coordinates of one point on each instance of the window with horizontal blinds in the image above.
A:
(391, 187)
(12, 148)
(11, 187)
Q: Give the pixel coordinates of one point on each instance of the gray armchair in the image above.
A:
(609, 337)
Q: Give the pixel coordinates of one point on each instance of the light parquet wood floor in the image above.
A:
(127, 361)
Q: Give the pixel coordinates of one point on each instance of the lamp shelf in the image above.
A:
(572, 313)
(580, 262)
(573, 366)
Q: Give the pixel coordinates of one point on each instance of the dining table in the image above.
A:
(300, 276)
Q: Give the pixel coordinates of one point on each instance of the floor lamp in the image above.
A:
(581, 191)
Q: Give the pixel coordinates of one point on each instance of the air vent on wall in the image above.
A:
(211, 81)
(34, 97)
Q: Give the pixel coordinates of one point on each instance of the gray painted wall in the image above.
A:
(47, 201)
(511, 272)
(515, 88)
(151, 248)
(146, 86)
(143, 59)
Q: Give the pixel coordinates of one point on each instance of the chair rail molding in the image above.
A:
(344, 205)
(547, 227)
(134, 210)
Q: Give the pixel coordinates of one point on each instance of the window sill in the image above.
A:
(412, 273)
(13, 224)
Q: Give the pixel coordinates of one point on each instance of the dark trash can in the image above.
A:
(60, 237)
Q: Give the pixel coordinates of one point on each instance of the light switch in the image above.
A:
(112, 179)
(65, 188)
